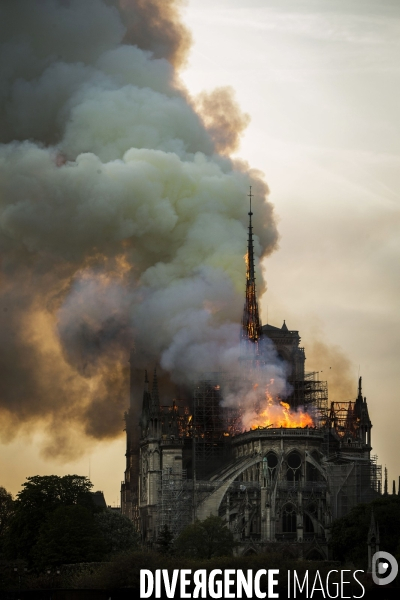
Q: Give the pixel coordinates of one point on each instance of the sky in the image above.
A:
(320, 81)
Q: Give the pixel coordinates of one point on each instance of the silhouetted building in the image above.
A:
(272, 485)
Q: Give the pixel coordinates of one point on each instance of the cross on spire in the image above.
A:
(250, 196)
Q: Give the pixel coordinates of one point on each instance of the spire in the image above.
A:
(146, 393)
(172, 421)
(350, 419)
(146, 407)
(359, 403)
(386, 482)
(251, 324)
(150, 420)
(373, 532)
(155, 399)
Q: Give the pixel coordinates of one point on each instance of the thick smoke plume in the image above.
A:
(223, 118)
(120, 223)
(155, 25)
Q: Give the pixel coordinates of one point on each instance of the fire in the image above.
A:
(279, 414)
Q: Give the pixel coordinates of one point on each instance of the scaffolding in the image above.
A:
(213, 425)
(175, 420)
(175, 501)
(342, 418)
(353, 482)
(312, 394)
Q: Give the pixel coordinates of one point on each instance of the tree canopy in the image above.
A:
(350, 533)
(117, 531)
(7, 508)
(50, 491)
(69, 535)
(41, 496)
(165, 540)
(205, 539)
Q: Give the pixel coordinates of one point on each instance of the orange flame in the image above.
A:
(279, 414)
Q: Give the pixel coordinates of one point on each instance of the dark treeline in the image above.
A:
(55, 520)
(54, 535)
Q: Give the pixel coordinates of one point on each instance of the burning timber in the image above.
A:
(279, 472)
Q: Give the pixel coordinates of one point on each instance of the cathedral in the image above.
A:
(277, 485)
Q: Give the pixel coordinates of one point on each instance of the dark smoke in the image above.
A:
(120, 223)
(155, 25)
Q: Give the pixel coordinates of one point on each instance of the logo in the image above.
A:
(384, 568)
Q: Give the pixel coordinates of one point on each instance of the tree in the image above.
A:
(50, 491)
(350, 533)
(117, 531)
(205, 539)
(164, 540)
(69, 535)
(41, 496)
(6, 513)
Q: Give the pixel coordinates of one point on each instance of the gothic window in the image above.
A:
(156, 459)
(270, 463)
(293, 462)
(145, 468)
(308, 524)
(289, 519)
(312, 472)
(143, 495)
(312, 509)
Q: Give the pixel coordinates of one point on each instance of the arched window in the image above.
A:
(293, 462)
(289, 519)
(308, 524)
(270, 463)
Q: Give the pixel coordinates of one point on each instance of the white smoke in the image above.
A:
(252, 384)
